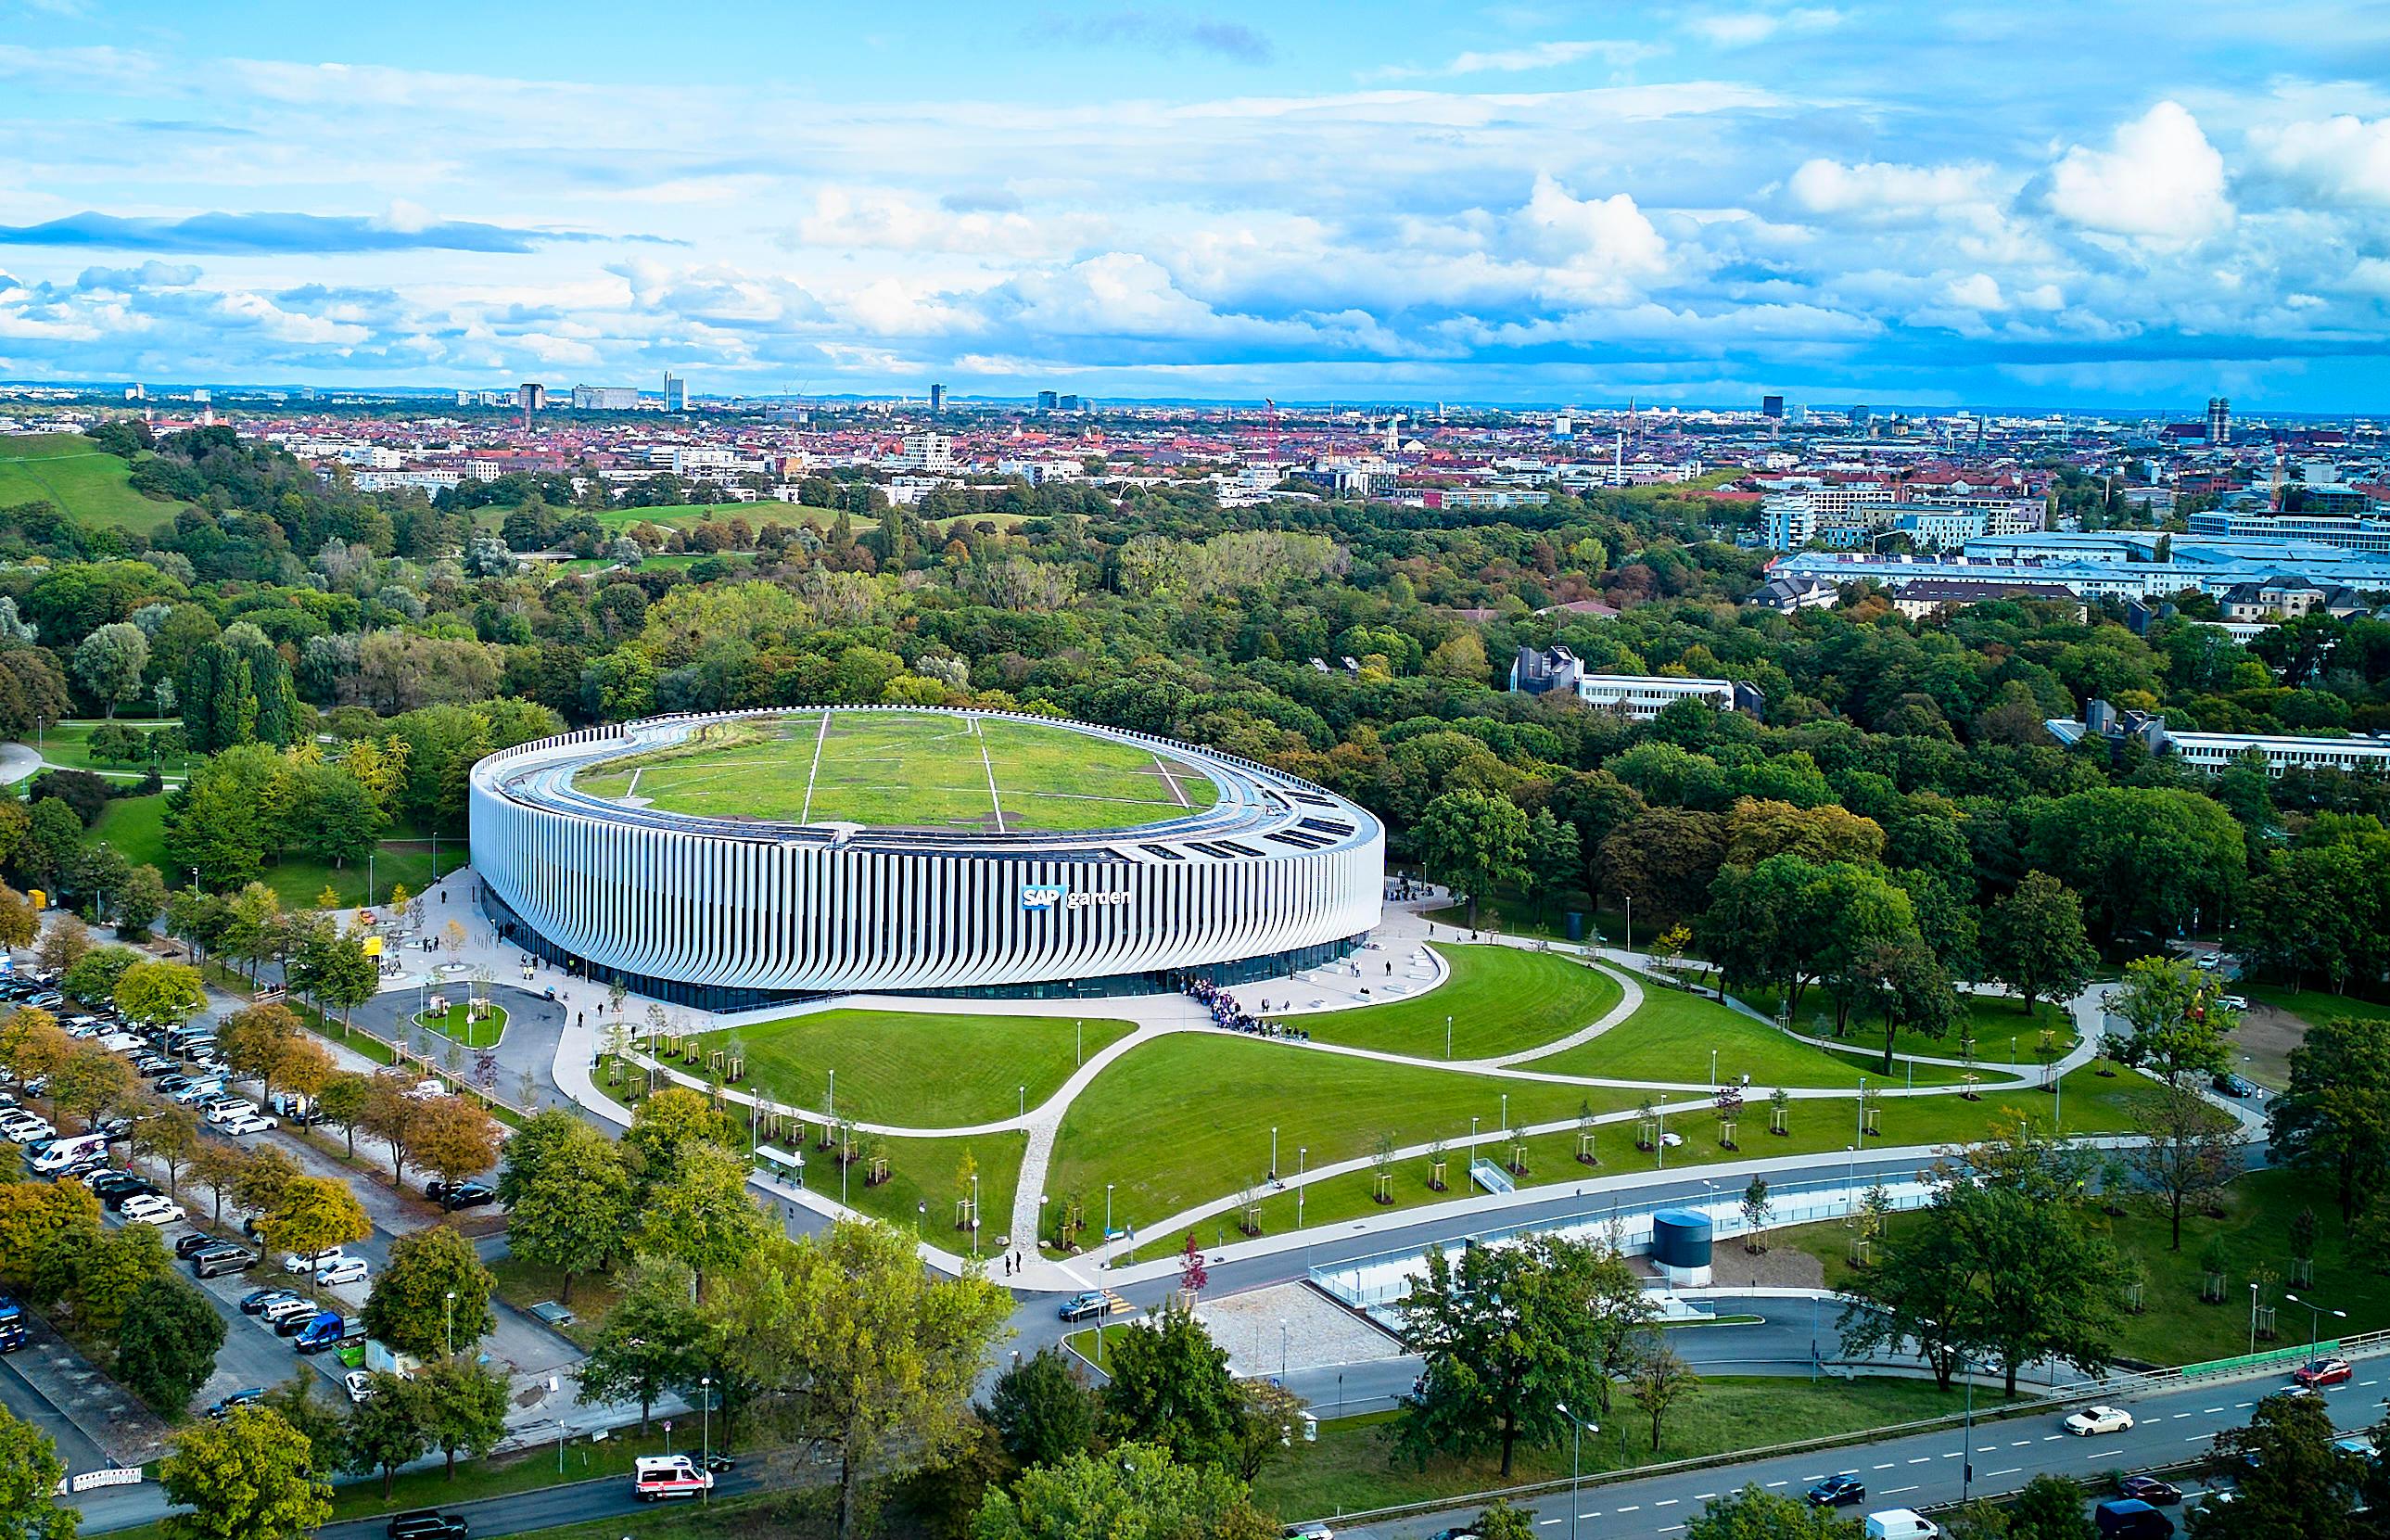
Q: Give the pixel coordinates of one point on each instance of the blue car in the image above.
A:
(1838, 1491)
(1084, 1308)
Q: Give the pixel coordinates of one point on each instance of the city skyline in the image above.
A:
(2134, 206)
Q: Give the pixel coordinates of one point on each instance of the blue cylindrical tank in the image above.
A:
(1680, 1238)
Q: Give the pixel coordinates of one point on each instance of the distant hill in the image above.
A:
(89, 484)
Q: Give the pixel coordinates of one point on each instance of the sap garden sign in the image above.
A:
(1053, 895)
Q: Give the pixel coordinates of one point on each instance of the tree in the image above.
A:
(1660, 1380)
(46, 1229)
(93, 977)
(2292, 1479)
(2034, 940)
(167, 1347)
(455, 1137)
(345, 1100)
(1499, 1521)
(91, 1081)
(324, 1425)
(673, 1120)
(1170, 1385)
(568, 1197)
(249, 1476)
(386, 1431)
(161, 991)
(140, 898)
(1472, 843)
(2144, 858)
(1131, 1492)
(217, 1165)
(29, 1471)
(2178, 1019)
(167, 1131)
(1042, 1410)
(702, 1216)
(342, 976)
(65, 941)
(2192, 1150)
(1510, 1333)
(391, 1114)
(254, 1041)
(651, 1342)
(17, 924)
(852, 1348)
(311, 1214)
(108, 663)
(464, 1408)
(2333, 1121)
(410, 1309)
(113, 1272)
(1555, 859)
(2049, 1508)
(1754, 1514)
(1756, 1206)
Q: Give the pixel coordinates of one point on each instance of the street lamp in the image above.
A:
(1281, 1353)
(974, 1213)
(1506, 1114)
(2316, 1314)
(1967, 1435)
(1447, 1037)
(1273, 1152)
(452, 1323)
(1576, 1460)
(1630, 921)
(705, 1435)
(833, 1095)
(1713, 1069)
(1108, 1211)
(2252, 1320)
(1302, 1153)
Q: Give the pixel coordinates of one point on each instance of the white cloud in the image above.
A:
(1595, 247)
(2162, 181)
(1977, 291)
(1828, 186)
(1532, 56)
(2342, 157)
(1743, 29)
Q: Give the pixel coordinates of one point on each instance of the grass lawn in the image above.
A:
(1354, 1466)
(2312, 1005)
(90, 485)
(683, 516)
(69, 744)
(135, 827)
(910, 770)
(2093, 1105)
(1994, 1019)
(523, 1284)
(1671, 1036)
(452, 1024)
(880, 1057)
(1500, 1000)
(2175, 1326)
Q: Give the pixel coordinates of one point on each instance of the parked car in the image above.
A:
(2149, 1489)
(426, 1524)
(151, 1209)
(346, 1270)
(258, 1299)
(291, 1308)
(191, 1245)
(246, 1123)
(2230, 1084)
(328, 1331)
(2130, 1518)
(131, 1190)
(2099, 1419)
(216, 1261)
(360, 1386)
(299, 1262)
(2324, 1372)
(463, 1194)
(1900, 1523)
(46, 999)
(1838, 1491)
(238, 1398)
(218, 1107)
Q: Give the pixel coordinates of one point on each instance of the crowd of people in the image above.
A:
(1227, 1014)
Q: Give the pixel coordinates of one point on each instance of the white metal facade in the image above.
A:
(1276, 865)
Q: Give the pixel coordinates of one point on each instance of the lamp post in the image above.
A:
(1850, 1179)
(452, 1323)
(974, 1213)
(1273, 1152)
(1576, 1460)
(705, 1435)
(1967, 1426)
(833, 1095)
(1024, 1101)
(1301, 1154)
(1447, 1037)
(1630, 921)
(2252, 1320)
(1281, 1353)
(1108, 1211)
(1506, 1114)
(1713, 1069)
(1079, 1057)
(2316, 1314)
(1660, 1134)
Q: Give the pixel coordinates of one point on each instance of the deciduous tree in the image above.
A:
(464, 1408)
(250, 1476)
(1043, 1410)
(2333, 1121)
(29, 1471)
(167, 1347)
(1131, 1492)
(2190, 1149)
(2035, 943)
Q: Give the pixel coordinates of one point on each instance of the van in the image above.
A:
(2130, 1518)
(1901, 1523)
(119, 1041)
(657, 1477)
(63, 1153)
(220, 1260)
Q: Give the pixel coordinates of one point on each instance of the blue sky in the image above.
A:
(1970, 203)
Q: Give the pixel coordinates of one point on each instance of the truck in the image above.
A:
(1901, 1523)
(328, 1331)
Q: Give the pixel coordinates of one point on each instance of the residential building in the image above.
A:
(1787, 594)
(2215, 751)
(1928, 596)
(2288, 599)
(1540, 670)
(926, 452)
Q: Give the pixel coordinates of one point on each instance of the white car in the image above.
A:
(248, 1122)
(346, 1270)
(359, 1384)
(299, 1262)
(150, 1209)
(26, 1129)
(2099, 1419)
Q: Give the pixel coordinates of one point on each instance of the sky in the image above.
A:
(1987, 204)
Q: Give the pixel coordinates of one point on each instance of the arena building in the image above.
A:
(739, 860)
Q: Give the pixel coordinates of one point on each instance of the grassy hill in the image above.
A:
(91, 485)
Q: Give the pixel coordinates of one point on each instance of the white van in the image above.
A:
(122, 1042)
(1901, 1523)
(65, 1152)
(661, 1476)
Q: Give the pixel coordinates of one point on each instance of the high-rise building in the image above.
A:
(1859, 419)
(926, 452)
(937, 398)
(1771, 406)
(531, 396)
(1047, 401)
(2220, 419)
(605, 398)
(675, 393)
(1071, 404)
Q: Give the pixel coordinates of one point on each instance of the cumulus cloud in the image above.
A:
(1595, 247)
(2344, 157)
(2161, 180)
(282, 234)
(1822, 186)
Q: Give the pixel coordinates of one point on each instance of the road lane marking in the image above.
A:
(2009, 1471)
(1666, 1502)
(1628, 1507)
(1776, 1484)
(2196, 1438)
(2179, 1416)
(1885, 1466)
(2242, 1405)
(1898, 1490)
(1547, 1524)
(2020, 1444)
(2210, 1411)
(1921, 1459)
(1704, 1496)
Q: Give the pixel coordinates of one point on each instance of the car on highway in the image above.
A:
(2324, 1372)
(1838, 1491)
(151, 1209)
(238, 1398)
(299, 1262)
(461, 1195)
(2149, 1489)
(1084, 1308)
(426, 1524)
(2100, 1419)
(258, 1299)
(2358, 1444)
(1310, 1529)
(346, 1270)
(657, 1477)
(360, 1386)
(2296, 1392)
(1458, 1532)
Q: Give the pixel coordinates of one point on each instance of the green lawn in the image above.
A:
(2175, 1326)
(884, 1059)
(452, 1024)
(1670, 1039)
(69, 744)
(907, 769)
(2004, 1034)
(1354, 1466)
(1500, 1000)
(135, 827)
(2312, 1005)
(88, 484)
(682, 516)
(1198, 1150)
